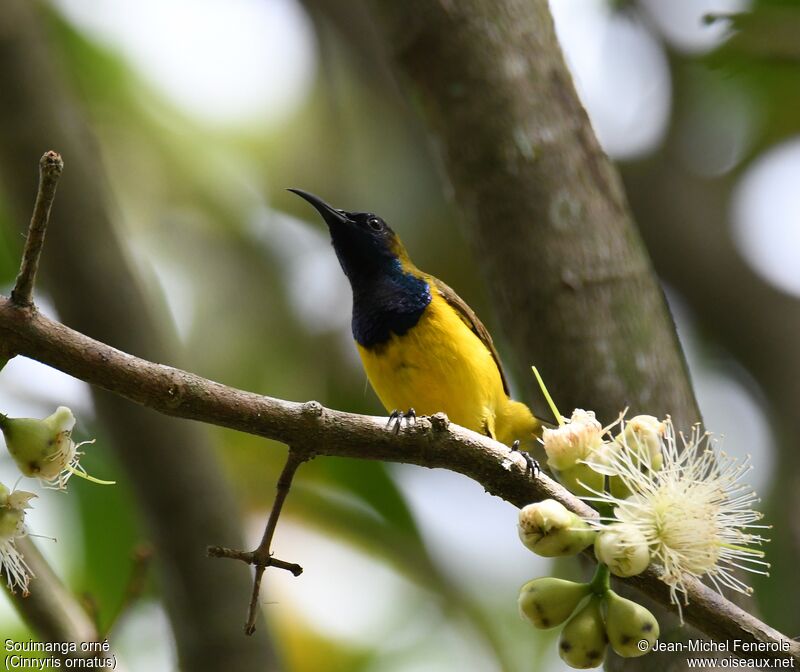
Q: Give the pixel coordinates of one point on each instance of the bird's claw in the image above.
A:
(397, 417)
(531, 465)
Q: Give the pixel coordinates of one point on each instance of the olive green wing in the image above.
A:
(471, 320)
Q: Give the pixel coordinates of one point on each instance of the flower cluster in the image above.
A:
(688, 511)
(591, 613)
(597, 617)
(41, 449)
(664, 498)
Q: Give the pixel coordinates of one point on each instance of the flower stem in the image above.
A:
(547, 396)
(600, 582)
(84, 475)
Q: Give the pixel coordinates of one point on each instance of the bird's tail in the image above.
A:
(516, 422)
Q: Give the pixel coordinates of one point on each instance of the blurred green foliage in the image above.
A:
(200, 210)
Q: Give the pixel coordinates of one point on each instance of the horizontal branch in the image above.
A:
(432, 442)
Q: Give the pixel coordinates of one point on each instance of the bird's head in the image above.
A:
(364, 243)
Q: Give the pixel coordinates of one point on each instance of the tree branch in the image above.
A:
(52, 610)
(545, 210)
(181, 493)
(262, 557)
(432, 442)
(50, 167)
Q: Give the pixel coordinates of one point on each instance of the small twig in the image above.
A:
(50, 167)
(262, 556)
(250, 558)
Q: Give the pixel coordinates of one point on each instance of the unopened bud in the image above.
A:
(623, 548)
(583, 640)
(642, 436)
(551, 530)
(581, 480)
(573, 440)
(547, 602)
(41, 448)
(632, 629)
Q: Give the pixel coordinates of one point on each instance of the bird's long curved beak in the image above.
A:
(332, 216)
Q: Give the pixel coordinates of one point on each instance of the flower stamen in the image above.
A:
(693, 511)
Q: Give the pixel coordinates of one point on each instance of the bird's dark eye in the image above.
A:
(375, 224)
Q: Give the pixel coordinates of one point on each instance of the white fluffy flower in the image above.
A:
(694, 512)
(12, 527)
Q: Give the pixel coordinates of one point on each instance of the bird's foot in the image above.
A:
(531, 465)
(397, 418)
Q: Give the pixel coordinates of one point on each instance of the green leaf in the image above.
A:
(111, 534)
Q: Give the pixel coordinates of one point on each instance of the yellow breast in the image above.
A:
(441, 365)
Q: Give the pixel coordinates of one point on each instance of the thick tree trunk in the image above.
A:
(545, 209)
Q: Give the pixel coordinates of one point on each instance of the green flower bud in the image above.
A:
(12, 522)
(547, 602)
(581, 480)
(583, 640)
(629, 626)
(602, 460)
(12, 513)
(618, 488)
(623, 548)
(44, 449)
(644, 433)
(572, 441)
(41, 448)
(551, 530)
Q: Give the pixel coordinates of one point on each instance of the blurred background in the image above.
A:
(200, 114)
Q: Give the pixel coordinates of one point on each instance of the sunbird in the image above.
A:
(423, 348)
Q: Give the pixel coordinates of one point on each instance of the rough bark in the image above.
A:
(545, 209)
(551, 228)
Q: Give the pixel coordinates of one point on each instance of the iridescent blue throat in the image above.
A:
(390, 301)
